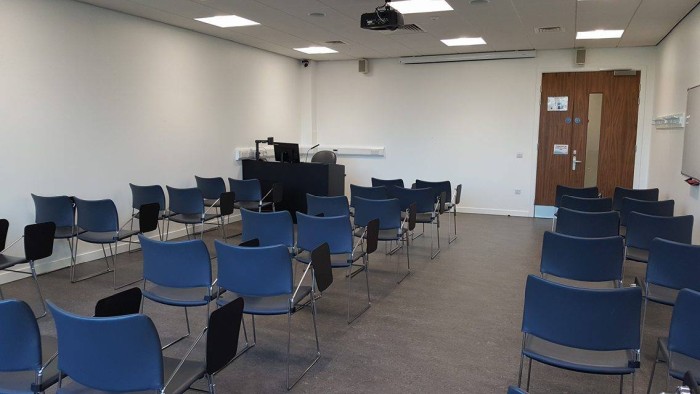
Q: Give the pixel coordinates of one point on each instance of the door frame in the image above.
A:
(642, 152)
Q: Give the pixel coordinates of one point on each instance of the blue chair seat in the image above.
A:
(16, 382)
(9, 261)
(194, 296)
(598, 362)
(425, 217)
(188, 373)
(192, 218)
(661, 294)
(66, 232)
(273, 305)
(251, 205)
(680, 363)
(636, 254)
(384, 235)
(106, 237)
(339, 260)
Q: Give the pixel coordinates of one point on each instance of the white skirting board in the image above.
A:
(492, 211)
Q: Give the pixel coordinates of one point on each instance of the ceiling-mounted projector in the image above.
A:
(382, 19)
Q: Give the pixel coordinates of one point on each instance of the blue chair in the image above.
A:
(38, 244)
(269, 228)
(336, 231)
(27, 359)
(388, 183)
(61, 211)
(583, 259)
(327, 206)
(177, 274)
(369, 193)
(187, 207)
(249, 194)
(427, 211)
(98, 222)
(446, 200)
(211, 189)
(392, 227)
(123, 353)
(584, 192)
(587, 224)
(262, 276)
(585, 330)
(672, 266)
(681, 350)
(142, 195)
(586, 204)
(638, 194)
(642, 229)
(656, 208)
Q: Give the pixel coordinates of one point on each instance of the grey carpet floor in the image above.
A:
(453, 325)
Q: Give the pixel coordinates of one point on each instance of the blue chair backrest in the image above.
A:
(313, 231)
(254, 272)
(328, 206)
(642, 229)
(370, 193)
(245, 189)
(591, 319)
(176, 264)
(516, 390)
(673, 264)
(585, 192)
(424, 198)
(186, 201)
(683, 334)
(387, 182)
(583, 259)
(211, 188)
(588, 224)
(109, 353)
(387, 211)
(20, 340)
(57, 209)
(438, 188)
(97, 215)
(270, 228)
(142, 195)
(656, 208)
(586, 204)
(637, 194)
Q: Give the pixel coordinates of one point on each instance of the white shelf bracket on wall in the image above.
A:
(675, 121)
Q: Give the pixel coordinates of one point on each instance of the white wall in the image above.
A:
(459, 121)
(677, 70)
(94, 99)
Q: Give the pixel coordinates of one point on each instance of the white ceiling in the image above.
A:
(504, 24)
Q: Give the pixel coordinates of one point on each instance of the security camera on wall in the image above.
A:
(305, 63)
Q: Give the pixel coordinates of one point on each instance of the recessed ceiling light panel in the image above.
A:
(227, 21)
(315, 50)
(418, 6)
(598, 34)
(464, 41)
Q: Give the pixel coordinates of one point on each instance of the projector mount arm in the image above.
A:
(386, 6)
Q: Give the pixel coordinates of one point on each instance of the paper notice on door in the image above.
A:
(561, 149)
(558, 103)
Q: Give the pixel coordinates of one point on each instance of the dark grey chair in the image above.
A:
(642, 229)
(587, 224)
(637, 194)
(325, 157)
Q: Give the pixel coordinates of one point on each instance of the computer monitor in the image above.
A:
(287, 152)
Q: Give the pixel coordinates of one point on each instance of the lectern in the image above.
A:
(297, 179)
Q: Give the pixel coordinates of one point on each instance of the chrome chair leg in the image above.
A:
(248, 345)
(653, 369)
(114, 268)
(349, 277)
(73, 279)
(187, 319)
(38, 289)
(454, 220)
(529, 371)
(289, 343)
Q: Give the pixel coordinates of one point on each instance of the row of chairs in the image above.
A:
(582, 257)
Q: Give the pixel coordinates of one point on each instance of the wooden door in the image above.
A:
(566, 126)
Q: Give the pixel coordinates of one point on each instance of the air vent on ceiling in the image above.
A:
(549, 29)
(335, 42)
(412, 28)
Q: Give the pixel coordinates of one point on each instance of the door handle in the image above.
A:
(574, 162)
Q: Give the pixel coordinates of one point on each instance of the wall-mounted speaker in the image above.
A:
(363, 66)
(580, 57)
